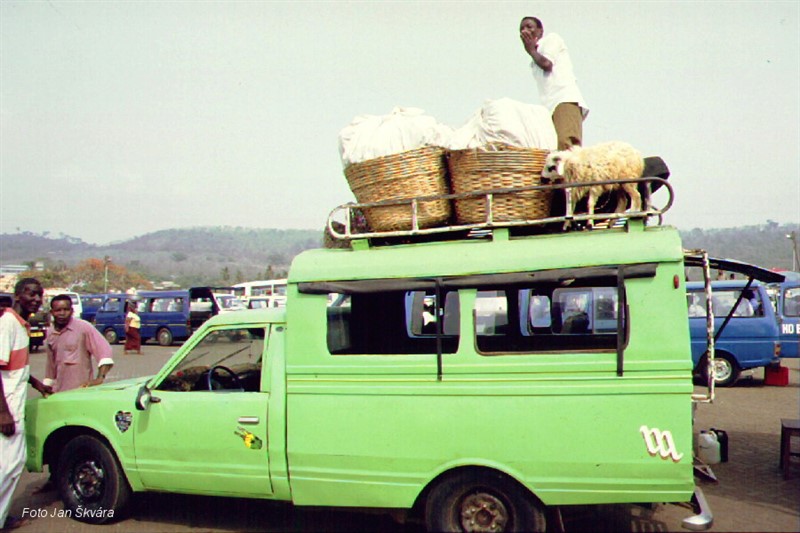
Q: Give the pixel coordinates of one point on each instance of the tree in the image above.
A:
(88, 276)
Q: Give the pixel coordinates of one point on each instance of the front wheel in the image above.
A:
(164, 337)
(482, 501)
(90, 481)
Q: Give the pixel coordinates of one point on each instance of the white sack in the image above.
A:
(507, 121)
(405, 128)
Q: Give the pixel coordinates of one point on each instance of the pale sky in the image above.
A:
(122, 118)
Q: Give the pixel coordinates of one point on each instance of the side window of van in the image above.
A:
(541, 319)
(791, 302)
(391, 322)
(723, 301)
(165, 305)
(112, 305)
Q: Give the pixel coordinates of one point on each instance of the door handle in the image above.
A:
(248, 420)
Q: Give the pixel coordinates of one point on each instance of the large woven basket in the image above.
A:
(499, 166)
(414, 173)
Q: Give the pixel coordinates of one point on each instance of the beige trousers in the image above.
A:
(568, 120)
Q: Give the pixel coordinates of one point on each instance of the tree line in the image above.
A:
(229, 255)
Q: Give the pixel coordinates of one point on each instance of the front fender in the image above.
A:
(106, 413)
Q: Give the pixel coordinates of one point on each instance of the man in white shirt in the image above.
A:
(558, 87)
(14, 379)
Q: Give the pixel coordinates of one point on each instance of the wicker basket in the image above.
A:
(420, 172)
(499, 166)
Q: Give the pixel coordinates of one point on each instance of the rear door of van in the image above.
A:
(789, 310)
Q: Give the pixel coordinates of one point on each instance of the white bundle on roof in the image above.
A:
(405, 128)
(507, 121)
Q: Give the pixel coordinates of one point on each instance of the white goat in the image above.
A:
(606, 161)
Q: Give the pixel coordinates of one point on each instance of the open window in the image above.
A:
(392, 322)
(223, 360)
(548, 317)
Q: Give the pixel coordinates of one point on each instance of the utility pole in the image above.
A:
(796, 254)
(106, 261)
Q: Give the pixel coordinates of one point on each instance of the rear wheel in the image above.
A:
(164, 337)
(726, 371)
(482, 501)
(90, 481)
(111, 336)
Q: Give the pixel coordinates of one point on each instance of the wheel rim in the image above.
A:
(164, 338)
(722, 370)
(483, 512)
(87, 481)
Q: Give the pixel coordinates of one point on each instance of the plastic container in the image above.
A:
(722, 438)
(708, 448)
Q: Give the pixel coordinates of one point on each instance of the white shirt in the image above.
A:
(559, 85)
(14, 340)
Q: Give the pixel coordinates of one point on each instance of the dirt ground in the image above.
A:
(751, 494)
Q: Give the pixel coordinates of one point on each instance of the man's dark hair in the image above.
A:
(25, 281)
(536, 20)
(61, 298)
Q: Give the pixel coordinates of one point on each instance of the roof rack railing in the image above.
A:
(345, 213)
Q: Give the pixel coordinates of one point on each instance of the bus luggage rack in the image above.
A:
(340, 224)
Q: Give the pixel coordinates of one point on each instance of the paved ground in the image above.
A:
(751, 494)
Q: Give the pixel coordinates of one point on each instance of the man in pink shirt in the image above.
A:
(72, 343)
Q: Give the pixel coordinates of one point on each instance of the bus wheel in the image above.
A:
(164, 337)
(111, 336)
(480, 500)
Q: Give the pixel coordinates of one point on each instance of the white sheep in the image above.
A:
(613, 160)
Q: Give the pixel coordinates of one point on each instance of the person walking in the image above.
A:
(133, 323)
(558, 88)
(14, 379)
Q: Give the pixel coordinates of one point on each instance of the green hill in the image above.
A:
(212, 255)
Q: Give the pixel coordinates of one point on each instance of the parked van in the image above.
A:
(166, 316)
(77, 305)
(787, 305)
(91, 303)
(750, 338)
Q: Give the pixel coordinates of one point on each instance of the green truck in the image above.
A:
(472, 382)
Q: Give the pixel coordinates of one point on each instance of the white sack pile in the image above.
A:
(405, 128)
(507, 121)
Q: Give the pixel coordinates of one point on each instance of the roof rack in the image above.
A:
(340, 224)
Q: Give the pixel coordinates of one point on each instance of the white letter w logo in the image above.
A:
(660, 443)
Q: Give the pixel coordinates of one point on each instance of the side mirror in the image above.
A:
(144, 398)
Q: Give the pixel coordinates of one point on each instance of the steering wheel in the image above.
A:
(234, 378)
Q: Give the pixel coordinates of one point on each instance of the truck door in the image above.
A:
(205, 429)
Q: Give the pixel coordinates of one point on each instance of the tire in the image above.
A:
(164, 337)
(726, 371)
(482, 501)
(111, 336)
(90, 481)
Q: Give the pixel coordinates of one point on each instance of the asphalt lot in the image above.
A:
(751, 494)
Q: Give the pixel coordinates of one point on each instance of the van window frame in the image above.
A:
(615, 275)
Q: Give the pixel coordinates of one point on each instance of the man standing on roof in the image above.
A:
(14, 378)
(558, 87)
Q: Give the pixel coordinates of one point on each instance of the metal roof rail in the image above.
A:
(340, 224)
